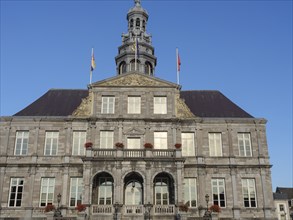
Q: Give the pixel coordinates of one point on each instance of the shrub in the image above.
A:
(148, 145)
(183, 208)
(178, 146)
(119, 145)
(215, 208)
(49, 208)
(80, 207)
(88, 144)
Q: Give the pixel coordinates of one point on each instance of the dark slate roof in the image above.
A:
(280, 196)
(62, 102)
(206, 103)
(284, 190)
(56, 102)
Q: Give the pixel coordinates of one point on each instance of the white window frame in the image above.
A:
(76, 187)
(190, 192)
(102, 193)
(249, 190)
(218, 186)
(47, 189)
(21, 143)
(16, 188)
(106, 139)
(160, 105)
(161, 188)
(161, 140)
(188, 148)
(244, 144)
(134, 105)
(215, 144)
(133, 143)
(78, 141)
(108, 105)
(51, 143)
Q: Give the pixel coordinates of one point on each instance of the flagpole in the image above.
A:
(177, 66)
(91, 73)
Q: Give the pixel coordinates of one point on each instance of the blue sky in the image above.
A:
(242, 48)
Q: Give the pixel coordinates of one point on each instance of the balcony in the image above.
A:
(133, 210)
(133, 154)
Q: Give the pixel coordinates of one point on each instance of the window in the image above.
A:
(215, 144)
(161, 191)
(244, 144)
(148, 69)
(137, 24)
(79, 139)
(160, 140)
(47, 191)
(75, 191)
(51, 143)
(249, 194)
(21, 143)
(281, 207)
(15, 194)
(134, 104)
(134, 65)
(187, 144)
(105, 190)
(108, 104)
(133, 143)
(218, 190)
(106, 139)
(160, 105)
(190, 192)
(122, 68)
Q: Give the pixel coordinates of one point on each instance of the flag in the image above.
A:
(93, 63)
(178, 62)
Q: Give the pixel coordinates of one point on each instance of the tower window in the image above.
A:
(131, 23)
(148, 68)
(122, 68)
(137, 22)
(143, 24)
(132, 65)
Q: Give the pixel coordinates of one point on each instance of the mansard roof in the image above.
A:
(63, 102)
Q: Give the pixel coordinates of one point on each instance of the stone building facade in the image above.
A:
(152, 150)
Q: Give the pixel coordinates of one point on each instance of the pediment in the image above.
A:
(134, 131)
(134, 80)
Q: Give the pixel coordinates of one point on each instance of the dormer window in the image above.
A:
(137, 24)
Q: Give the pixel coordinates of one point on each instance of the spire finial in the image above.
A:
(137, 3)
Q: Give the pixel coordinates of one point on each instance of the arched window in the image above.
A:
(133, 192)
(148, 69)
(132, 65)
(103, 189)
(137, 24)
(164, 189)
(131, 23)
(122, 68)
(143, 24)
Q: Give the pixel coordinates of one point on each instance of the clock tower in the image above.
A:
(136, 54)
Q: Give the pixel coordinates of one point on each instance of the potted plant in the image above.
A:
(119, 145)
(178, 145)
(215, 208)
(88, 145)
(80, 207)
(49, 208)
(183, 208)
(148, 145)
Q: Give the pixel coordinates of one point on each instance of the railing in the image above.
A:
(133, 209)
(104, 152)
(164, 209)
(102, 209)
(164, 153)
(133, 153)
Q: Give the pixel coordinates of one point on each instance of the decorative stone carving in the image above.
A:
(182, 110)
(134, 131)
(134, 80)
(84, 109)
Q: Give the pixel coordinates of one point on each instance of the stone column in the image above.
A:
(236, 207)
(66, 181)
(148, 184)
(87, 183)
(201, 173)
(179, 182)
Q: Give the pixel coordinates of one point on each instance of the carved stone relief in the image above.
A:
(84, 109)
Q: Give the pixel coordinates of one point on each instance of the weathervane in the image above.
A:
(137, 3)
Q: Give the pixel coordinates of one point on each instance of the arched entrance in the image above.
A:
(164, 192)
(103, 188)
(133, 193)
